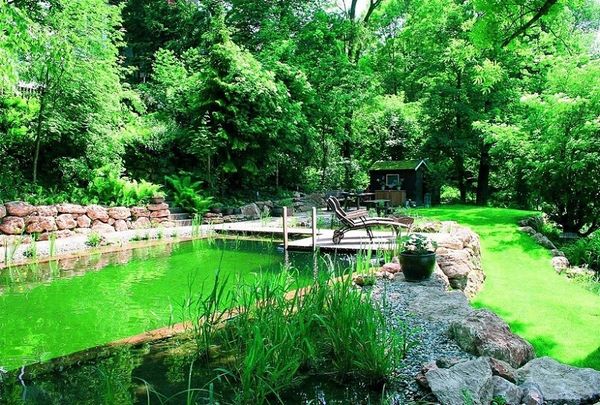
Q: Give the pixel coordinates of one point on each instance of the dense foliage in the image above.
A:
(255, 95)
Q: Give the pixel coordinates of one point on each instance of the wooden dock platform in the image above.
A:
(354, 241)
(301, 237)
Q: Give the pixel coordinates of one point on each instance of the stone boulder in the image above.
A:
(137, 212)
(503, 369)
(531, 394)
(141, 223)
(391, 268)
(35, 224)
(250, 211)
(560, 263)
(158, 207)
(83, 221)
(97, 213)
(45, 211)
(19, 209)
(466, 382)
(559, 383)
(527, 229)
(510, 392)
(101, 227)
(120, 225)
(543, 241)
(12, 225)
(119, 213)
(71, 209)
(66, 221)
(483, 333)
(457, 265)
(2, 211)
(160, 214)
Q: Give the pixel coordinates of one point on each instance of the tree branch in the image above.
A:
(521, 30)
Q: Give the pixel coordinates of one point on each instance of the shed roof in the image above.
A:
(398, 164)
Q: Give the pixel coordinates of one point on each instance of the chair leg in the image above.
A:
(370, 233)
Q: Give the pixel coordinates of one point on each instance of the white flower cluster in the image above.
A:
(418, 245)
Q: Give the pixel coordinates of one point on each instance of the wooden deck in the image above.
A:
(353, 242)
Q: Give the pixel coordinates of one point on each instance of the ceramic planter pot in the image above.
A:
(417, 267)
(157, 200)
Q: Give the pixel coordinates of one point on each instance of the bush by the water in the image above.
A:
(278, 338)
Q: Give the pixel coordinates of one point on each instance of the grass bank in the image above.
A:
(560, 317)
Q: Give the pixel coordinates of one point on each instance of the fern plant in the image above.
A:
(187, 194)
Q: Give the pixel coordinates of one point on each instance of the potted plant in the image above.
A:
(277, 210)
(158, 198)
(417, 257)
(216, 208)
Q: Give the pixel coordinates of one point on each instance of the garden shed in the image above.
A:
(399, 180)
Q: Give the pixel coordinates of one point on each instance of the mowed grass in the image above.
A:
(560, 317)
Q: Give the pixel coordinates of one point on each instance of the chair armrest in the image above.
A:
(357, 214)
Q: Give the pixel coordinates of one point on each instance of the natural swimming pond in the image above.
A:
(54, 309)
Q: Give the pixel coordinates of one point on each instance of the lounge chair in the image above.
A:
(359, 219)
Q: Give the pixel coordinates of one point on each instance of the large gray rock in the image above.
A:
(250, 211)
(560, 383)
(466, 382)
(483, 333)
(437, 305)
(543, 241)
(510, 392)
(531, 394)
(19, 209)
(528, 230)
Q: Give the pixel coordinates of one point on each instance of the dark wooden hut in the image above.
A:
(399, 180)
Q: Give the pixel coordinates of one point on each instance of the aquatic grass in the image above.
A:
(52, 244)
(271, 338)
(196, 223)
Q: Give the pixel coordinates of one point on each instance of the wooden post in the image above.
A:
(285, 229)
(314, 228)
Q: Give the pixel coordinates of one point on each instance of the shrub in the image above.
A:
(187, 194)
(584, 251)
(109, 187)
(94, 239)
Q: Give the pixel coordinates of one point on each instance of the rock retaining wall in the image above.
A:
(63, 220)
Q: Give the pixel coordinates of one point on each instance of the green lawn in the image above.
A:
(558, 316)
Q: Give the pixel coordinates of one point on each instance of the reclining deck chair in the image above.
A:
(360, 220)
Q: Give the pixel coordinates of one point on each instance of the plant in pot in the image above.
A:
(216, 208)
(158, 198)
(277, 210)
(417, 257)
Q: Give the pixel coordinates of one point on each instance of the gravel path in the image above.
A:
(426, 309)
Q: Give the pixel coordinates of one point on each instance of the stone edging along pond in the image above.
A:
(64, 220)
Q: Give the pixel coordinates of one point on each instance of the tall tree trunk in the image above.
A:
(460, 174)
(38, 134)
(483, 178)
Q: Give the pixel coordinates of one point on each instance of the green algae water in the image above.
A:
(51, 310)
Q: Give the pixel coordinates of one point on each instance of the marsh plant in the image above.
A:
(52, 244)
(31, 250)
(94, 239)
(276, 333)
